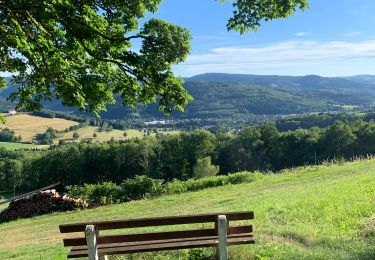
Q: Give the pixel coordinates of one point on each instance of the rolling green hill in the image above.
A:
(318, 212)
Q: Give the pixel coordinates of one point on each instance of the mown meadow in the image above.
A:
(316, 212)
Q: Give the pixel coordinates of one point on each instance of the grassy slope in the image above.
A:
(15, 146)
(322, 212)
(29, 126)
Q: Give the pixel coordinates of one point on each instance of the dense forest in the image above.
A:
(169, 157)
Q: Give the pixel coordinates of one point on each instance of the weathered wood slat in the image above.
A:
(161, 241)
(158, 235)
(161, 221)
(143, 237)
(163, 246)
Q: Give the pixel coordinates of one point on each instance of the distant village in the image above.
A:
(158, 122)
(10, 112)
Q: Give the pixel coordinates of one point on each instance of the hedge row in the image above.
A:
(142, 187)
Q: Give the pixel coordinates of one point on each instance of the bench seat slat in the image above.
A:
(157, 235)
(161, 221)
(160, 241)
(158, 246)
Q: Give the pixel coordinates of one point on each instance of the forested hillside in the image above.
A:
(237, 99)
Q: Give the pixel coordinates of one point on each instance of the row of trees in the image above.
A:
(190, 155)
(8, 135)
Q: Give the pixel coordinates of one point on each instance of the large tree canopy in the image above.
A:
(83, 53)
(248, 14)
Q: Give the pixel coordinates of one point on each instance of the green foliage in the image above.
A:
(249, 14)
(42, 41)
(10, 174)
(47, 137)
(96, 194)
(187, 155)
(198, 254)
(204, 168)
(177, 186)
(321, 120)
(142, 187)
(8, 135)
(108, 193)
(92, 49)
(243, 177)
(75, 135)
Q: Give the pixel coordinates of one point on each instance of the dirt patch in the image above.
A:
(288, 238)
(369, 228)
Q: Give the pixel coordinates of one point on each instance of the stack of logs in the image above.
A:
(37, 204)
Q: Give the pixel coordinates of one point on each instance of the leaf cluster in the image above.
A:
(83, 52)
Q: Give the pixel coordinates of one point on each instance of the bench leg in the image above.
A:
(222, 232)
(92, 245)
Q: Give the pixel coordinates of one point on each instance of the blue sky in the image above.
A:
(331, 38)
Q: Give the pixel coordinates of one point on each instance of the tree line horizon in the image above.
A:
(167, 157)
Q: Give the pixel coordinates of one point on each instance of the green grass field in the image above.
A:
(320, 212)
(15, 146)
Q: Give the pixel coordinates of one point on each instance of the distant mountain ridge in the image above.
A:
(233, 97)
(289, 82)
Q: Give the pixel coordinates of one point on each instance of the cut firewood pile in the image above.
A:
(39, 203)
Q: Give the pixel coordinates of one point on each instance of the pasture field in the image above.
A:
(28, 126)
(15, 146)
(318, 212)
(88, 132)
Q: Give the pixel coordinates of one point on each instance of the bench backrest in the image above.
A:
(161, 221)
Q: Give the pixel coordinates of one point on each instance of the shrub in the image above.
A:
(75, 135)
(204, 168)
(242, 177)
(175, 187)
(96, 194)
(47, 137)
(140, 187)
(145, 187)
(8, 135)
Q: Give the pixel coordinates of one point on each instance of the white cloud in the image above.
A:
(282, 55)
(301, 34)
(351, 34)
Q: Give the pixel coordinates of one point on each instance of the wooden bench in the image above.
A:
(90, 244)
